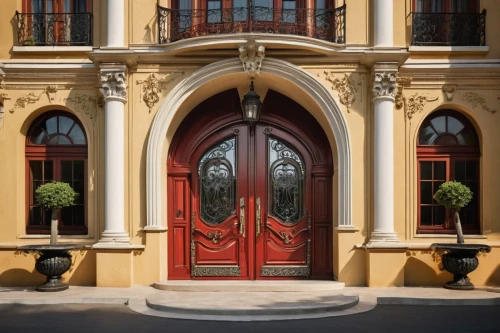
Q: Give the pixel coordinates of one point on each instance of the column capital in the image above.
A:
(384, 85)
(114, 82)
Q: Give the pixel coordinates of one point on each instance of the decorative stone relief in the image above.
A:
(152, 86)
(2, 97)
(31, 98)
(85, 105)
(449, 90)
(384, 85)
(400, 99)
(251, 56)
(476, 100)
(415, 104)
(50, 90)
(24, 100)
(114, 84)
(346, 87)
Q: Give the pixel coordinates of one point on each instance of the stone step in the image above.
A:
(250, 286)
(248, 306)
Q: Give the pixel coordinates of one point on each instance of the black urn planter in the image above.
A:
(460, 260)
(54, 261)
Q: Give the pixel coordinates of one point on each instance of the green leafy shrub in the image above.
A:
(55, 195)
(30, 41)
(453, 194)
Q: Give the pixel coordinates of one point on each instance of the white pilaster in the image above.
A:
(383, 23)
(384, 91)
(114, 89)
(115, 23)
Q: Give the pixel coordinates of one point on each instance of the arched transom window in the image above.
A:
(447, 149)
(56, 149)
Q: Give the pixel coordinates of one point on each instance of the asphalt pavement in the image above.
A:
(99, 318)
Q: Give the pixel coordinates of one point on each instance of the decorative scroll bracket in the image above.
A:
(449, 90)
(251, 56)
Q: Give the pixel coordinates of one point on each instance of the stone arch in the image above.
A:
(155, 177)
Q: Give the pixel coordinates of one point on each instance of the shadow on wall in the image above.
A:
(494, 278)
(83, 269)
(18, 277)
(424, 271)
(354, 271)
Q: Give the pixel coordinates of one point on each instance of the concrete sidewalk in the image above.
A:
(249, 306)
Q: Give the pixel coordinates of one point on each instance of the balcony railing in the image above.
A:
(448, 29)
(54, 29)
(324, 24)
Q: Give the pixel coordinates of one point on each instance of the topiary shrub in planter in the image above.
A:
(55, 196)
(460, 259)
(455, 196)
(54, 260)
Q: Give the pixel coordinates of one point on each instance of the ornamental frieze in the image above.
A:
(32, 98)
(152, 87)
(346, 88)
(476, 100)
(416, 103)
(85, 105)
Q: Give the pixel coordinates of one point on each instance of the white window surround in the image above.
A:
(156, 179)
(51, 49)
(451, 49)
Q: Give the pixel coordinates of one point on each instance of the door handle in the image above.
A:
(257, 218)
(242, 217)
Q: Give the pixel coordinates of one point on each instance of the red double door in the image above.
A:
(251, 205)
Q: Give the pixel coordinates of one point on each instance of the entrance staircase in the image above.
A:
(250, 300)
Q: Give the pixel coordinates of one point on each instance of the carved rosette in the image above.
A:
(385, 85)
(114, 85)
(346, 87)
(251, 56)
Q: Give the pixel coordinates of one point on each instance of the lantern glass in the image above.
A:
(251, 106)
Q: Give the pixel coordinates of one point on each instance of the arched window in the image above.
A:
(447, 149)
(56, 149)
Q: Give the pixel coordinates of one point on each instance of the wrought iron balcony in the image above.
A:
(54, 29)
(324, 24)
(448, 29)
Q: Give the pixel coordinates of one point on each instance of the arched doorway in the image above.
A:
(249, 202)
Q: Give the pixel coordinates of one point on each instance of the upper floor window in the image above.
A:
(55, 22)
(448, 23)
(56, 149)
(447, 149)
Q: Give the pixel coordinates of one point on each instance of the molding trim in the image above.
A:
(155, 179)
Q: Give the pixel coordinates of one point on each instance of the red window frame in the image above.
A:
(449, 154)
(56, 154)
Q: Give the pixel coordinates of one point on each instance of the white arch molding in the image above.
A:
(155, 180)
